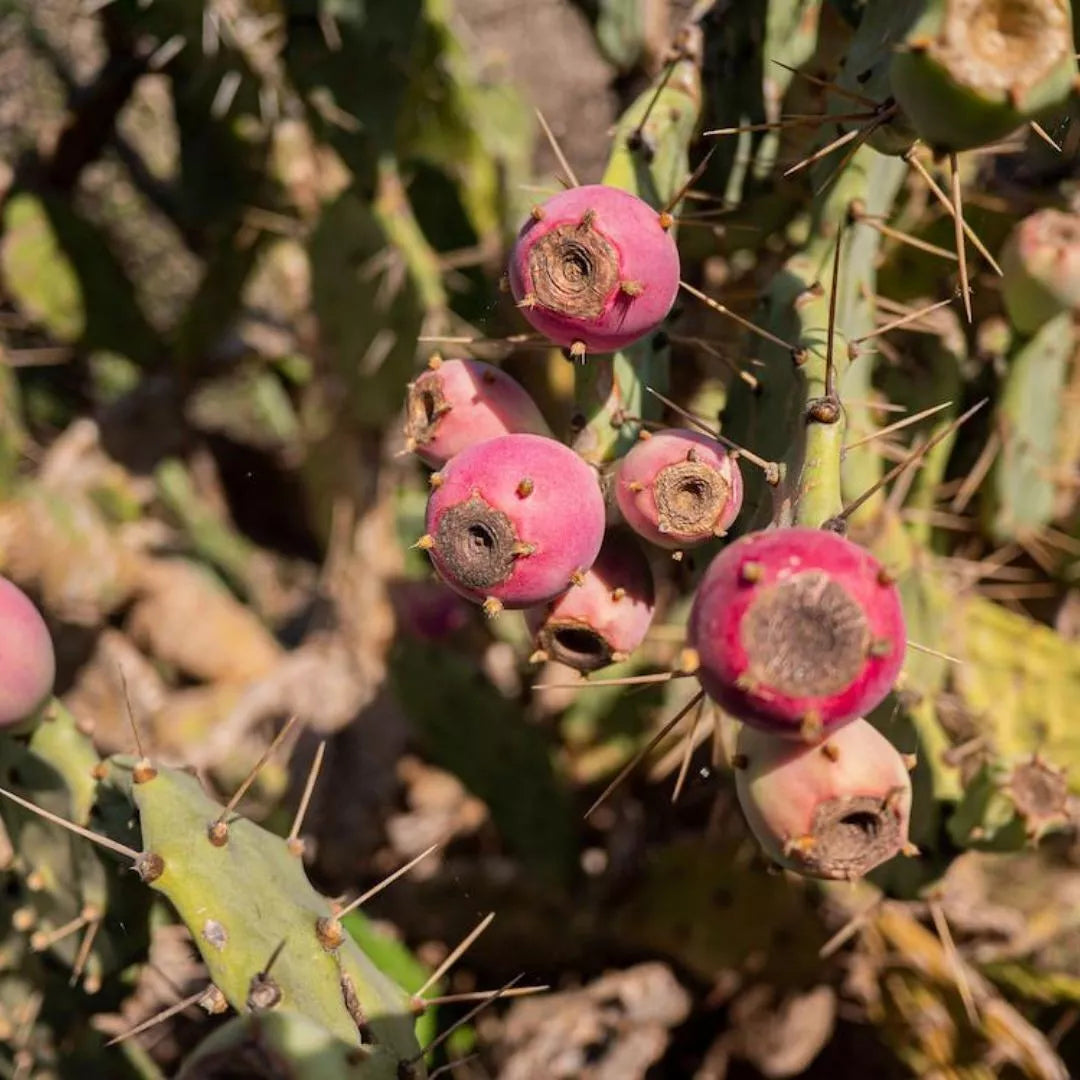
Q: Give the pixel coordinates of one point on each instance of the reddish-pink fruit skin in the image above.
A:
(782, 784)
(726, 594)
(615, 601)
(647, 255)
(645, 461)
(562, 516)
(482, 402)
(27, 660)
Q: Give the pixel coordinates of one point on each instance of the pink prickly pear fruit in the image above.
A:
(514, 521)
(797, 630)
(595, 268)
(833, 810)
(1041, 264)
(678, 488)
(603, 619)
(456, 403)
(27, 660)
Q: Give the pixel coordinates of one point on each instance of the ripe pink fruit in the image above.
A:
(460, 402)
(27, 660)
(678, 488)
(834, 810)
(797, 630)
(603, 619)
(594, 268)
(513, 521)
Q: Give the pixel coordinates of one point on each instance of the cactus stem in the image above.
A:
(452, 958)
(215, 828)
(557, 150)
(746, 324)
(296, 845)
(56, 819)
(165, 1014)
(644, 752)
(911, 157)
(914, 458)
(492, 607)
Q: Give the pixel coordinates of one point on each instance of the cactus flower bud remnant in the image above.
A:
(457, 403)
(604, 618)
(679, 488)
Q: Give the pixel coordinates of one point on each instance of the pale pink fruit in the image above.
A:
(605, 617)
(797, 630)
(678, 488)
(835, 809)
(27, 660)
(514, 521)
(594, 268)
(460, 402)
(1041, 266)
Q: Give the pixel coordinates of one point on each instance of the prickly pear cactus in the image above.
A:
(635, 443)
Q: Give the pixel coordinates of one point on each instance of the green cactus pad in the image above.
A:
(280, 1045)
(247, 900)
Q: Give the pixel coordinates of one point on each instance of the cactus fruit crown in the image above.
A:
(477, 543)
(849, 835)
(833, 810)
(678, 488)
(1006, 46)
(805, 635)
(690, 496)
(574, 268)
(425, 405)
